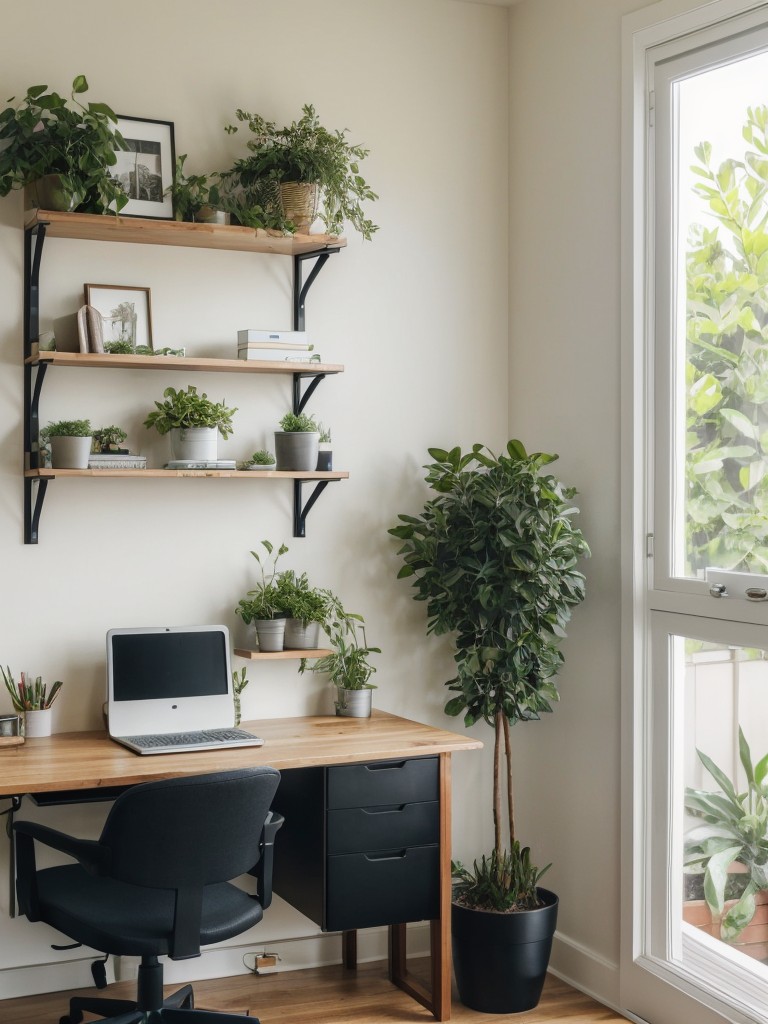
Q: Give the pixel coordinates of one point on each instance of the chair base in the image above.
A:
(177, 1008)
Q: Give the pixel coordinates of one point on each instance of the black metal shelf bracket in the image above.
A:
(300, 289)
(299, 400)
(33, 489)
(300, 512)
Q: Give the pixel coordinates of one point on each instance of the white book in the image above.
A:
(281, 337)
(277, 354)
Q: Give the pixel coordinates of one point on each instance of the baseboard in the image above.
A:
(587, 971)
(215, 962)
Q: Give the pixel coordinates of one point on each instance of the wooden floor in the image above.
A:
(327, 995)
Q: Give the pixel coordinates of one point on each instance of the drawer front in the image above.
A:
(368, 890)
(383, 782)
(372, 829)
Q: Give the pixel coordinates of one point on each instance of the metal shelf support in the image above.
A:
(299, 400)
(300, 512)
(300, 289)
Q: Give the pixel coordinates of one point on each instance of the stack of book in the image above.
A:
(201, 464)
(116, 460)
(276, 345)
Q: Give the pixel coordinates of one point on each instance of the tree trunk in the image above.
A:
(510, 791)
(497, 782)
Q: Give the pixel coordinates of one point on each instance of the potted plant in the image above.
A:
(195, 196)
(287, 170)
(63, 153)
(296, 444)
(494, 556)
(324, 450)
(260, 460)
(347, 665)
(33, 699)
(107, 441)
(239, 682)
(726, 856)
(305, 607)
(194, 422)
(262, 605)
(70, 443)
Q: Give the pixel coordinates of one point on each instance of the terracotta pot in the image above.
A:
(753, 941)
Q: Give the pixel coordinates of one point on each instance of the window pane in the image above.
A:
(725, 842)
(721, 433)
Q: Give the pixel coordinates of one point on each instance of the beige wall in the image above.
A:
(418, 316)
(565, 188)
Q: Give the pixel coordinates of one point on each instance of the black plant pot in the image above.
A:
(501, 960)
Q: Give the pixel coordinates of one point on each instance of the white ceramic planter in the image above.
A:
(70, 452)
(198, 444)
(38, 723)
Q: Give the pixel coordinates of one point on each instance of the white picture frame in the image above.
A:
(126, 312)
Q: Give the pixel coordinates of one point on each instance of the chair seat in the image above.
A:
(129, 920)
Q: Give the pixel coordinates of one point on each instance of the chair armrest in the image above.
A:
(89, 853)
(263, 870)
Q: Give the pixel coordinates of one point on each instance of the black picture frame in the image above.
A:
(145, 169)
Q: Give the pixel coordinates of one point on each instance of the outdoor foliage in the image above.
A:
(734, 829)
(727, 360)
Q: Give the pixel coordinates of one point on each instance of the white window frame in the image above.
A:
(649, 983)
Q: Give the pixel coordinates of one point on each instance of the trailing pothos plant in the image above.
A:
(734, 830)
(42, 135)
(727, 359)
(494, 556)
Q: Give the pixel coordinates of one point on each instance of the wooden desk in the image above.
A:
(91, 761)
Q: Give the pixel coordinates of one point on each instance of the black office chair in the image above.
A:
(157, 882)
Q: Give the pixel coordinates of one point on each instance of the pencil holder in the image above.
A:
(38, 723)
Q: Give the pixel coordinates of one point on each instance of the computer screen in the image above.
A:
(169, 664)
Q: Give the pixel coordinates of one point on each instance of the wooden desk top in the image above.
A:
(88, 760)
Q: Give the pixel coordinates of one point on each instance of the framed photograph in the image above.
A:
(145, 169)
(126, 315)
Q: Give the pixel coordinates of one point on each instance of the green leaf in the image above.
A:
(80, 84)
(715, 878)
(739, 915)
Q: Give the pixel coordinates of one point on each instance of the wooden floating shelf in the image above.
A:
(286, 655)
(131, 362)
(271, 474)
(146, 231)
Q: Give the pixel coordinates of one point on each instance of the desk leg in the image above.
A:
(439, 999)
(349, 950)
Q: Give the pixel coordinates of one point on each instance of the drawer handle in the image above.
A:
(383, 810)
(386, 856)
(385, 767)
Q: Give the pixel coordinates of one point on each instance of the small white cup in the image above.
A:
(38, 723)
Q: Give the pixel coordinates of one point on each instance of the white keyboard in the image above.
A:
(179, 742)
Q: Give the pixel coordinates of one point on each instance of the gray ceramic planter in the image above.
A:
(300, 636)
(70, 452)
(297, 450)
(271, 633)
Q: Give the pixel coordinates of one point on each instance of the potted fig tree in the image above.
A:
(494, 557)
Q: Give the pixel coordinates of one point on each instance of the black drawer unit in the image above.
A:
(360, 844)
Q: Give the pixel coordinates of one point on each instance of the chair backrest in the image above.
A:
(189, 832)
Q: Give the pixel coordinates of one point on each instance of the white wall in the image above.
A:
(418, 316)
(565, 186)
